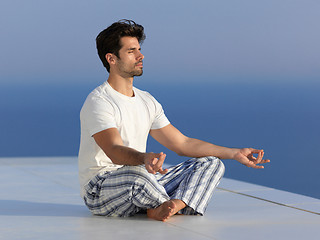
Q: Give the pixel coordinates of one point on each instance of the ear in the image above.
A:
(110, 58)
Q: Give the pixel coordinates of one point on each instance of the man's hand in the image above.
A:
(245, 157)
(154, 161)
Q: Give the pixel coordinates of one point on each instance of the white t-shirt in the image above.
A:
(106, 108)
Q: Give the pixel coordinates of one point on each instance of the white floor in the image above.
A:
(39, 199)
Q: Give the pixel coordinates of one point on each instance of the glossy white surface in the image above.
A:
(39, 199)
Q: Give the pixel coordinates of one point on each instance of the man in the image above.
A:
(117, 176)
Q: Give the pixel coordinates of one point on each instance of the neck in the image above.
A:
(122, 85)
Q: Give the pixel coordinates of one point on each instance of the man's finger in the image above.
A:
(154, 161)
(163, 171)
(265, 161)
(259, 158)
(149, 169)
(256, 150)
(258, 167)
(160, 161)
(252, 165)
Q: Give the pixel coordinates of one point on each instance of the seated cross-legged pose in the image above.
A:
(117, 176)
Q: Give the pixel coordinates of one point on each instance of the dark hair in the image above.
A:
(108, 41)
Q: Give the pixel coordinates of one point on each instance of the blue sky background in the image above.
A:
(53, 41)
(235, 73)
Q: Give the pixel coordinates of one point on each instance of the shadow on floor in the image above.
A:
(25, 208)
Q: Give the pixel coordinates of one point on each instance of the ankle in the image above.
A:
(179, 205)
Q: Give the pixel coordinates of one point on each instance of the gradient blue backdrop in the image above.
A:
(236, 73)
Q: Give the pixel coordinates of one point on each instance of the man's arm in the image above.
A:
(110, 142)
(174, 140)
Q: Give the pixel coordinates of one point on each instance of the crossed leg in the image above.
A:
(186, 187)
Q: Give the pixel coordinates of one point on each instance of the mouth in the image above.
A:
(139, 64)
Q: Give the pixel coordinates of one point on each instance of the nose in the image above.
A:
(140, 56)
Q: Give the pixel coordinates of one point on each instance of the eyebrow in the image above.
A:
(133, 48)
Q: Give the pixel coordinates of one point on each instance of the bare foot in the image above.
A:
(163, 212)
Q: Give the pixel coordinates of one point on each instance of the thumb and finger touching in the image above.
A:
(156, 163)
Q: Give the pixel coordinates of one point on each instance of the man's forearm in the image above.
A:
(197, 148)
(122, 155)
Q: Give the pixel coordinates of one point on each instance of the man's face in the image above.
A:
(129, 63)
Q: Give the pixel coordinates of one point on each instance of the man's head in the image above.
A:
(108, 41)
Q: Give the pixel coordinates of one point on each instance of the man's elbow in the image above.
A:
(180, 152)
(181, 149)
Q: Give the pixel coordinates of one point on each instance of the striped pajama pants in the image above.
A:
(131, 189)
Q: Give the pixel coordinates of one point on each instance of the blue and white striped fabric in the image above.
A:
(131, 189)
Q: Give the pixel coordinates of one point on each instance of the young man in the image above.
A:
(117, 176)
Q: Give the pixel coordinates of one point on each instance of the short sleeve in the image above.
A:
(160, 119)
(97, 114)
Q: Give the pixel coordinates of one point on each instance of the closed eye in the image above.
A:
(131, 50)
